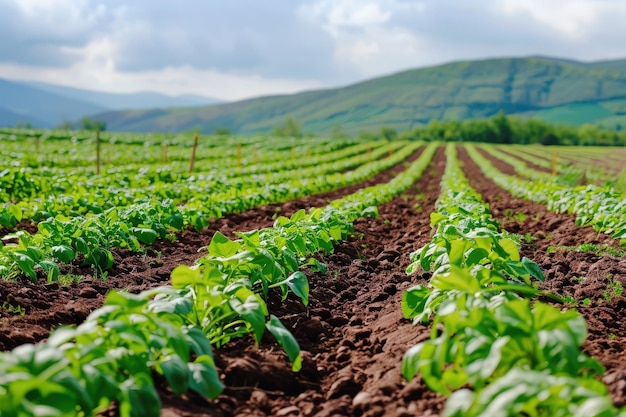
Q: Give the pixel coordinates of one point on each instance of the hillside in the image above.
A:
(556, 90)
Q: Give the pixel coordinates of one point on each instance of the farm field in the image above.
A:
(70, 236)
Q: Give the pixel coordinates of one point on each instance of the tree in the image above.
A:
(223, 131)
(388, 133)
(290, 128)
(87, 123)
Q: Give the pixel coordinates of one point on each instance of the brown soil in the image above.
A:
(584, 276)
(352, 333)
(50, 305)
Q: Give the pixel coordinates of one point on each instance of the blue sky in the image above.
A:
(234, 49)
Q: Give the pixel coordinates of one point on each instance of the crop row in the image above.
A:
(77, 150)
(600, 207)
(72, 196)
(499, 352)
(88, 239)
(19, 184)
(169, 330)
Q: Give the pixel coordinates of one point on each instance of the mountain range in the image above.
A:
(48, 105)
(553, 89)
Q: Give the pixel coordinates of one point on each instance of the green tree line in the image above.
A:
(511, 129)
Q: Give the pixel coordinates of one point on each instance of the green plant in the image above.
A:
(13, 309)
(613, 289)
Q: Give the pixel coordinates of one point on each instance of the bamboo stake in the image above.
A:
(193, 153)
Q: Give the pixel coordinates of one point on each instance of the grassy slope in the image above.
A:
(555, 89)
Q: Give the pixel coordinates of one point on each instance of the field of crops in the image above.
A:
(311, 277)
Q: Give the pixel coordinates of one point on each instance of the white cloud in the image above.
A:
(170, 80)
(571, 18)
(244, 48)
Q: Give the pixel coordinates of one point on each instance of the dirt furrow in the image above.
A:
(47, 306)
(352, 334)
(592, 279)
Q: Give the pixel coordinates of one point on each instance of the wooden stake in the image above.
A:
(193, 153)
(164, 152)
(97, 151)
(554, 159)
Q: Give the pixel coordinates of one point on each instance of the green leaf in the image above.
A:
(456, 279)
(183, 276)
(510, 247)
(457, 251)
(410, 362)
(533, 269)
(287, 341)
(251, 310)
(129, 301)
(475, 256)
(63, 253)
(299, 284)
(26, 264)
(144, 235)
(204, 378)
(298, 216)
(176, 373)
(223, 247)
(52, 270)
(176, 221)
(413, 301)
(81, 246)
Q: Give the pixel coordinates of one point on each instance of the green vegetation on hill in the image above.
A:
(554, 89)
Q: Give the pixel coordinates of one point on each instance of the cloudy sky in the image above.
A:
(234, 49)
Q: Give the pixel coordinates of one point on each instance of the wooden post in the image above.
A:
(97, 151)
(193, 153)
(164, 152)
(554, 160)
(239, 155)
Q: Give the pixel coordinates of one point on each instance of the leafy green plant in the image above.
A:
(488, 336)
(13, 309)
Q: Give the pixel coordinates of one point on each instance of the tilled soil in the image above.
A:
(352, 333)
(47, 306)
(588, 277)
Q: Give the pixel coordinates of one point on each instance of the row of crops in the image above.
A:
(81, 216)
(512, 355)
(497, 346)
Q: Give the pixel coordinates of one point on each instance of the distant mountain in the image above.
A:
(42, 108)
(126, 101)
(47, 105)
(9, 118)
(554, 89)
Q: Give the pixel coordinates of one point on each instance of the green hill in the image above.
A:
(553, 89)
